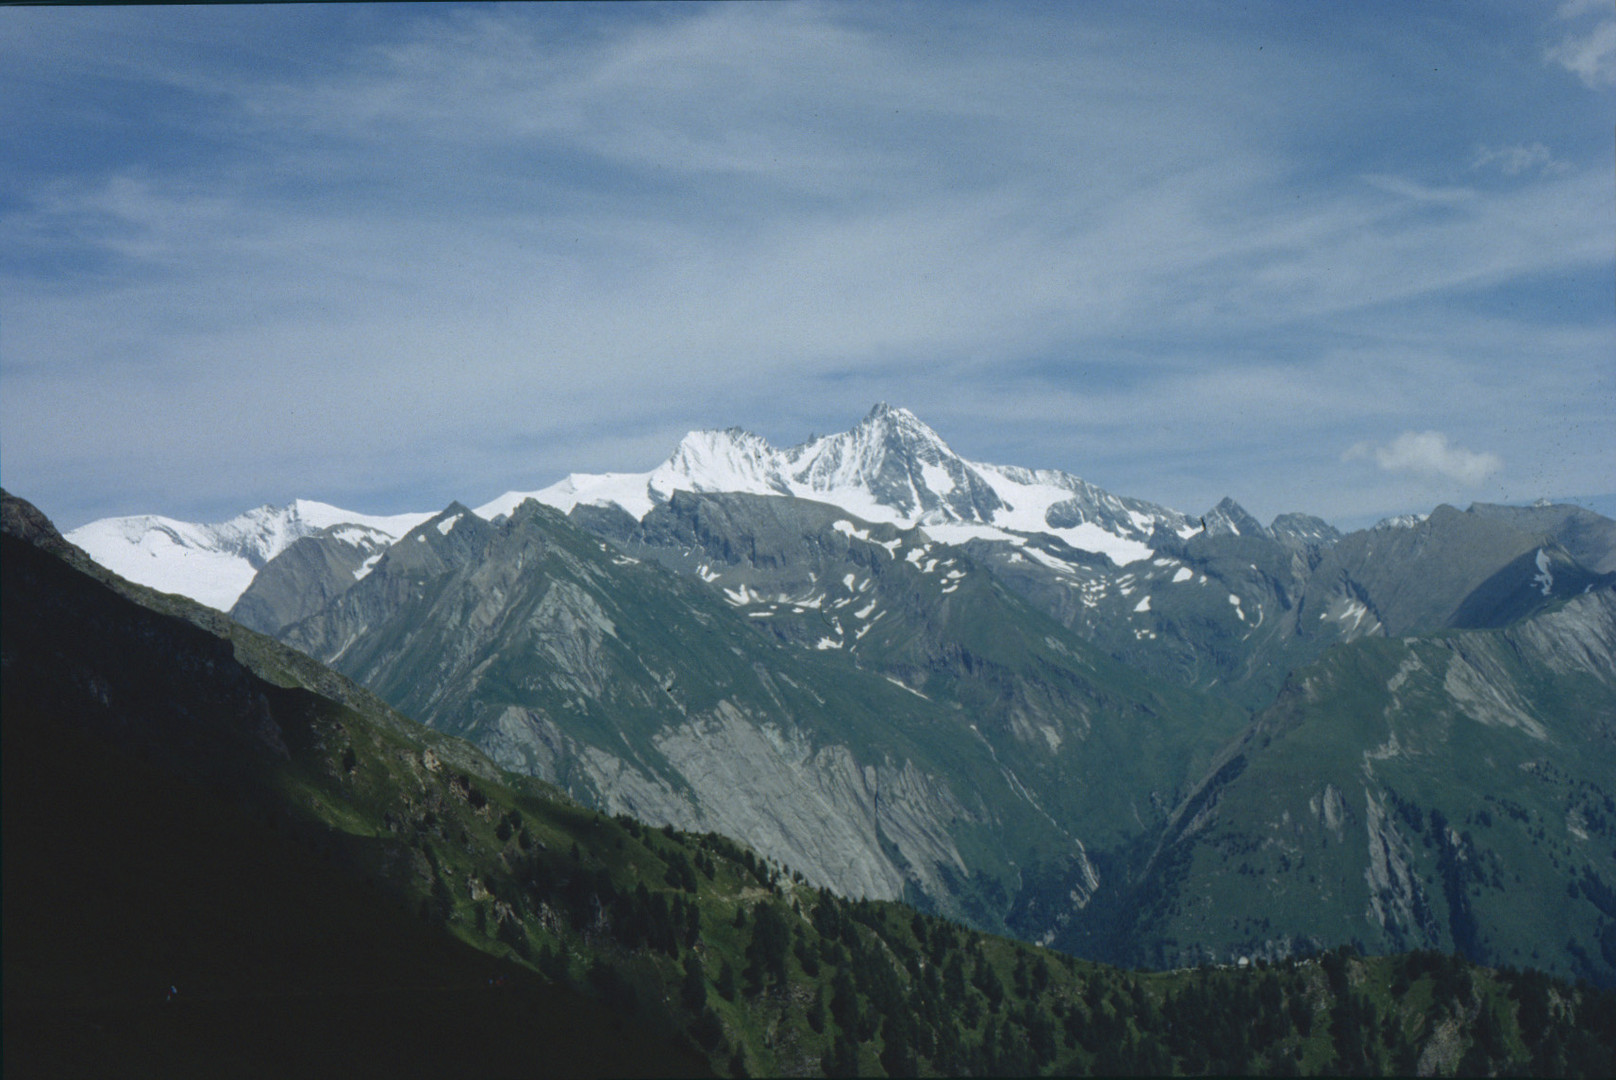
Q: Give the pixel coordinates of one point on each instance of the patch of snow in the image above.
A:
(1182, 574)
(963, 532)
(368, 565)
(631, 491)
(849, 529)
(1048, 560)
(1401, 521)
(937, 478)
(449, 523)
(742, 596)
(1543, 577)
(360, 534)
(902, 686)
(827, 643)
(1090, 537)
(1143, 605)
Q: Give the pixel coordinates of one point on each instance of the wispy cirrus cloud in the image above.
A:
(470, 244)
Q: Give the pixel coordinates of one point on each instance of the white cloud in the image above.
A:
(1514, 160)
(1429, 455)
(1590, 56)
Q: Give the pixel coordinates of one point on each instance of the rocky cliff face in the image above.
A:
(307, 575)
(1102, 749)
(882, 711)
(642, 691)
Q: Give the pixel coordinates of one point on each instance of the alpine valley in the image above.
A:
(1003, 696)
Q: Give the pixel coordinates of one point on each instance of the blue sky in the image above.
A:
(1352, 259)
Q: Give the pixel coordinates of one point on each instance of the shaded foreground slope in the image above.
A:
(162, 809)
(332, 888)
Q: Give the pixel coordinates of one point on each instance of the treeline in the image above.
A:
(696, 935)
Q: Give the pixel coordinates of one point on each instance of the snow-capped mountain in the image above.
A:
(214, 564)
(890, 468)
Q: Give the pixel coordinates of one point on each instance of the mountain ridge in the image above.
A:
(408, 909)
(890, 467)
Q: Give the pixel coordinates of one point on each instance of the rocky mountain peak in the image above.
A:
(1304, 529)
(902, 465)
(899, 428)
(1229, 518)
(709, 460)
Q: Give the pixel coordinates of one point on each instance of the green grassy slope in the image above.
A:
(1448, 792)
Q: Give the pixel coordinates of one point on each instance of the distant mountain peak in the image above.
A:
(1229, 518)
(214, 564)
(893, 420)
(889, 467)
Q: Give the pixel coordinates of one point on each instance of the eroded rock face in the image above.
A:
(815, 809)
(1396, 897)
(305, 577)
(641, 692)
(818, 808)
(1579, 637)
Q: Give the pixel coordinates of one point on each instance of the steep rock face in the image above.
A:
(875, 830)
(1229, 518)
(1481, 764)
(306, 575)
(641, 691)
(1054, 712)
